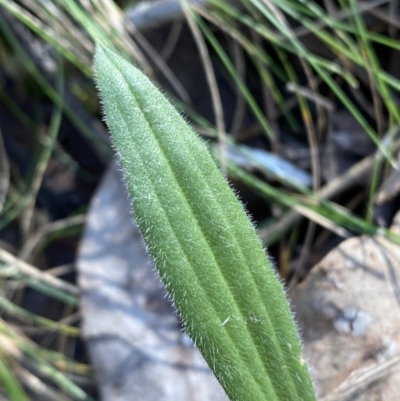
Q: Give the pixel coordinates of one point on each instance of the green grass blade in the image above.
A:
(99, 143)
(238, 80)
(203, 244)
(9, 382)
(28, 317)
(44, 368)
(46, 33)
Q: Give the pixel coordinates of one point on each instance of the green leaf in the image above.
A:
(202, 242)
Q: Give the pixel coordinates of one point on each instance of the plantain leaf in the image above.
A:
(202, 242)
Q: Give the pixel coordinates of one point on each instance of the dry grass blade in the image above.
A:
(211, 80)
(311, 95)
(41, 363)
(110, 18)
(48, 229)
(35, 274)
(172, 40)
(316, 218)
(160, 63)
(37, 386)
(4, 173)
(364, 6)
(45, 154)
(335, 187)
(240, 107)
(269, 93)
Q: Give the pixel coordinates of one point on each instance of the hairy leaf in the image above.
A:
(203, 244)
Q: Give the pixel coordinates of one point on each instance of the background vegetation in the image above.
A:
(269, 82)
